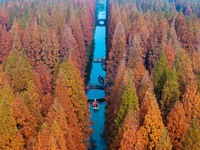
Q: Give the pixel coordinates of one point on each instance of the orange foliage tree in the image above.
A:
(75, 89)
(177, 125)
(153, 126)
(10, 137)
(25, 122)
(128, 135)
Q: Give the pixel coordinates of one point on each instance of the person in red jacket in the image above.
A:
(95, 103)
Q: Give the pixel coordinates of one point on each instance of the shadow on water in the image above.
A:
(98, 116)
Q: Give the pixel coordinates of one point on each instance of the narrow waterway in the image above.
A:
(98, 116)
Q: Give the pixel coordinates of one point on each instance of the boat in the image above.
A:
(95, 105)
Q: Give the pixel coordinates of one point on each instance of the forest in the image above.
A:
(152, 74)
(43, 55)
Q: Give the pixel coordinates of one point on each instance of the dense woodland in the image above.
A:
(153, 75)
(152, 84)
(43, 56)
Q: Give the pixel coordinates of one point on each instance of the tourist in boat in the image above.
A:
(95, 103)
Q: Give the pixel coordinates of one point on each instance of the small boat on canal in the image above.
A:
(95, 105)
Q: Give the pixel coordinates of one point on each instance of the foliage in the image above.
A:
(160, 75)
(74, 87)
(10, 137)
(177, 125)
(192, 138)
(164, 142)
(129, 99)
(170, 93)
(25, 122)
(35, 38)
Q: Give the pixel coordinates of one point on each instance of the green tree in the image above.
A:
(170, 93)
(22, 74)
(160, 75)
(129, 98)
(9, 64)
(192, 137)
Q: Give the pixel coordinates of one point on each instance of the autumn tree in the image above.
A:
(25, 122)
(128, 136)
(45, 140)
(21, 76)
(63, 98)
(58, 135)
(181, 29)
(4, 17)
(184, 70)
(117, 52)
(170, 54)
(114, 100)
(43, 83)
(5, 44)
(74, 84)
(135, 61)
(198, 81)
(152, 127)
(10, 137)
(31, 99)
(164, 141)
(177, 124)
(71, 136)
(87, 26)
(81, 57)
(191, 100)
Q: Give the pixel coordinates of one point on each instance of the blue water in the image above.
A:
(98, 116)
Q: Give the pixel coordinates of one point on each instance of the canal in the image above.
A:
(98, 116)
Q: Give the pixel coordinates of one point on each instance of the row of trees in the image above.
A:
(43, 56)
(188, 7)
(152, 76)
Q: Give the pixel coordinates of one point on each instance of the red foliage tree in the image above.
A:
(117, 53)
(169, 51)
(5, 44)
(81, 57)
